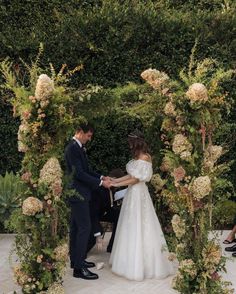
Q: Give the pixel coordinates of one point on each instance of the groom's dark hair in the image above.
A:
(85, 127)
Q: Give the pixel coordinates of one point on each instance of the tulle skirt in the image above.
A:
(139, 250)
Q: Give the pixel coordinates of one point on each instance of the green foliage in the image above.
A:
(11, 190)
(224, 214)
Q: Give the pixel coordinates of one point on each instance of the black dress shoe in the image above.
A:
(234, 254)
(85, 274)
(231, 248)
(88, 264)
(85, 264)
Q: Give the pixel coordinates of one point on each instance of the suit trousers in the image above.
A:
(80, 228)
(111, 216)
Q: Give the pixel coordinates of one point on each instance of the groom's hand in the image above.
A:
(106, 183)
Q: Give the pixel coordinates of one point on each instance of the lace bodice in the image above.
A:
(140, 169)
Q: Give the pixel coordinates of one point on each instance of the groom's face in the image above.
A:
(85, 137)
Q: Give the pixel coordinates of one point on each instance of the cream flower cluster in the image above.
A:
(181, 144)
(197, 92)
(39, 258)
(31, 206)
(201, 187)
(172, 256)
(55, 288)
(185, 155)
(20, 276)
(44, 90)
(170, 109)
(178, 225)
(61, 252)
(188, 266)
(211, 256)
(22, 147)
(212, 154)
(155, 78)
(157, 182)
(176, 280)
(51, 175)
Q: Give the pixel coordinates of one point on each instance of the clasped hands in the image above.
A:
(109, 182)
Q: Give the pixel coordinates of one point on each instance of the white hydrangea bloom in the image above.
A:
(181, 144)
(31, 206)
(44, 89)
(61, 252)
(155, 78)
(51, 174)
(197, 92)
(178, 225)
(212, 154)
(201, 187)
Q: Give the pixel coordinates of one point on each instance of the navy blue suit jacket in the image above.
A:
(83, 180)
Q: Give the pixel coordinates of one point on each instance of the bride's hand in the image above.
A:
(114, 184)
(114, 180)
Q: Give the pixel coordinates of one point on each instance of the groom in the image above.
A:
(83, 180)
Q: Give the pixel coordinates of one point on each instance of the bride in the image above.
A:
(139, 249)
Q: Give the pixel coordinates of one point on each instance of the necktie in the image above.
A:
(84, 149)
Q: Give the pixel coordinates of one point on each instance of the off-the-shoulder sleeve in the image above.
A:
(140, 169)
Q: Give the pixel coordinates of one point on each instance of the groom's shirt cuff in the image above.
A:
(97, 234)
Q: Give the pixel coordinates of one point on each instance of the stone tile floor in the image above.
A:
(108, 283)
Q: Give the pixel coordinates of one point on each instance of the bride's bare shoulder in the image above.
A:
(146, 157)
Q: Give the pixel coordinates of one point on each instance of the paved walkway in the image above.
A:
(107, 283)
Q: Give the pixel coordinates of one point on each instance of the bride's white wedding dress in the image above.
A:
(139, 249)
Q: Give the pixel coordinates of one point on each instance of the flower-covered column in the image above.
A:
(41, 223)
(190, 172)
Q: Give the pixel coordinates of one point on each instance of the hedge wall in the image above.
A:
(115, 40)
(10, 158)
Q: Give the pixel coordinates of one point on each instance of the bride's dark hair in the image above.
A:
(137, 143)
